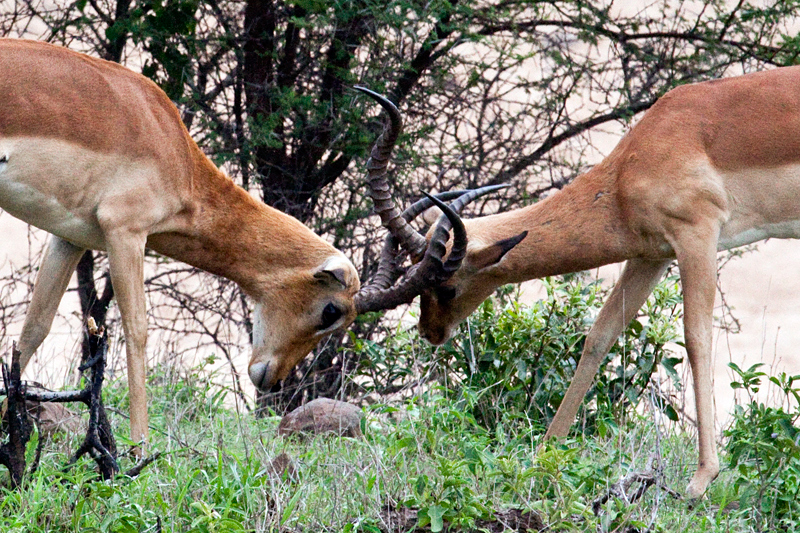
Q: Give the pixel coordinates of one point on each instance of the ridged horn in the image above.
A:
(389, 269)
(459, 249)
(428, 272)
(390, 215)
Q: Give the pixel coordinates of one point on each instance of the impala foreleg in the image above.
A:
(697, 260)
(634, 286)
(126, 262)
(58, 264)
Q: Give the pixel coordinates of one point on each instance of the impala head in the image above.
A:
(444, 306)
(302, 307)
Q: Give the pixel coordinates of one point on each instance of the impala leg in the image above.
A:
(126, 261)
(58, 264)
(634, 286)
(697, 261)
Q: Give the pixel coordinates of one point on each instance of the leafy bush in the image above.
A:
(458, 468)
(764, 451)
(513, 361)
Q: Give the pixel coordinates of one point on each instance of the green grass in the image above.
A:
(424, 454)
(449, 460)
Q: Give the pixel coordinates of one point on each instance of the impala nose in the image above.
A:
(437, 334)
(261, 376)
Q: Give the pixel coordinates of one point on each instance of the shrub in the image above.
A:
(514, 361)
(764, 451)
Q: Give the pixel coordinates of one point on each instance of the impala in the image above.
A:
(711, 166)
(98, 156)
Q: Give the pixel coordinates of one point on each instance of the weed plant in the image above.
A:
(511, 360)
(456, 445)
(764, 451)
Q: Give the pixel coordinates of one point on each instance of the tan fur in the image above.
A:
(710, 166)
(98, 156)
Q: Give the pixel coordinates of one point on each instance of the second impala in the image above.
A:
(709, 167)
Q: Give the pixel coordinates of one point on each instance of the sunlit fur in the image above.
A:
(98, 156)
(710, 166)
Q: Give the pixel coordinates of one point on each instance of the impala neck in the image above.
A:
(229, 233)
(578, 228)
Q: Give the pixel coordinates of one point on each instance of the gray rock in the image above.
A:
(282, 467)
(323, 416)
(55, 418)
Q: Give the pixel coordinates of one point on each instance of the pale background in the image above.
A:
(760, 287)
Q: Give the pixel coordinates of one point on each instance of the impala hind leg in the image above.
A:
(697, 261)
(631, 291)
(58, 264)
(126, 262)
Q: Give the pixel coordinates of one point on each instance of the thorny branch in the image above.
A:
(99, 442)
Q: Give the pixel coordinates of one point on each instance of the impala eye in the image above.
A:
(330, 315)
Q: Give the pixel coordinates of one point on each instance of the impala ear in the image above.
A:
(491, 255)
(332, 271)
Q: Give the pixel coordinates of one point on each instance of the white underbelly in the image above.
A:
(789, 229)
(764, 204)
(45, 212)
(58, 186)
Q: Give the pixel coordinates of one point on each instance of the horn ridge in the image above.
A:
(379, 189)
(459, 250)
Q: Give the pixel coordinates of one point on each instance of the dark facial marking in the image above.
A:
(330, 314)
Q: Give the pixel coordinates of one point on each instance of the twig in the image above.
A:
(12, 453)
(99, 441)
(622, 488)
(141, 465)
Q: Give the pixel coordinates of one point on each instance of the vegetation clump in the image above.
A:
(457, 448)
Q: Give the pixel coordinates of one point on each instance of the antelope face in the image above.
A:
(443, 307)
(298, 311)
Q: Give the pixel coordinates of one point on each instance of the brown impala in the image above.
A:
(97, 155)
(711, 166)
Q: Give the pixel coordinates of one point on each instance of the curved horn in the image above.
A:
(441, 235)
(474, 194)
(423, 204)
(459, 249)
(389, 269)
(424, 274)
(391, 216)
(463, 197)
(431, 270)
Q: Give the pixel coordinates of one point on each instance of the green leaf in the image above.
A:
(289, 509)
(435, 513)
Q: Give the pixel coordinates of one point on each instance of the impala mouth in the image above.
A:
(263, 377)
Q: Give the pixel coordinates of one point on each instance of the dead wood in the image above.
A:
(23, 402)
(624, 490)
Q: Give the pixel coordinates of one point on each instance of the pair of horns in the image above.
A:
(430, 268)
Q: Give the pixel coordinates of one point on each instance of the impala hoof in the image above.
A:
(700, 481)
